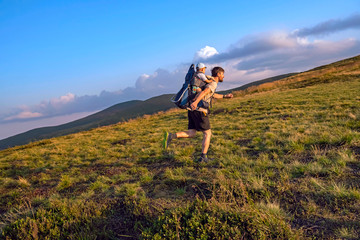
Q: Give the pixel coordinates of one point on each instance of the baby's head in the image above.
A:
(200, 67)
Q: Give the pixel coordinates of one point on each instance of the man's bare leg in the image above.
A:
(206, 141)
(168, 137)
(186, 134)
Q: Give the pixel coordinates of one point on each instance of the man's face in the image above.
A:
(220, 76)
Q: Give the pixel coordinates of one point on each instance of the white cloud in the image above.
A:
(205, 53)
(24, 115)
(12, 128)
(161, 81)
(302, 40)
(281, 39)
(144, 76)
(63, 99)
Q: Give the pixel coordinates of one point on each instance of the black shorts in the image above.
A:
(198, 121)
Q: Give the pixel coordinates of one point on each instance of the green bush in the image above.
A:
(62, 220)
(208, 220)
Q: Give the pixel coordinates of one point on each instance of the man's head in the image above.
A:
(200, 67)
(218, 72)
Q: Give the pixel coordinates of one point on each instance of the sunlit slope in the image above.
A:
(285, 165)
(340, 71)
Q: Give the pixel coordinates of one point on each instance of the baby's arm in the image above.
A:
(209, 79)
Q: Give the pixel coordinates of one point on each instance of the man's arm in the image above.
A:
(199, 97)
(217, 96)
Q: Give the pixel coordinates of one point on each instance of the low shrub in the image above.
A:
(208, 220)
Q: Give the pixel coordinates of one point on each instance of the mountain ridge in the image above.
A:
(118, 112)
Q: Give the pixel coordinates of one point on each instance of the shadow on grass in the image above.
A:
(321, 227)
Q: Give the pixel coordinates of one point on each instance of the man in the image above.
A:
(198, 117)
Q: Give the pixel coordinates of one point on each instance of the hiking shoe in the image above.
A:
(167, 139)
(203, 158)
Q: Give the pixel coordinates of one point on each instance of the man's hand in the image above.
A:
(199, 97)
(193, 106)
(228, 95)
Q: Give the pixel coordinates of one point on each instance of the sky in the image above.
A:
(63, 60)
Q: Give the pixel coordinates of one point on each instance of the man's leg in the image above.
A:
(168, 137)
(186, 134)
(205, 146)
(206, 141)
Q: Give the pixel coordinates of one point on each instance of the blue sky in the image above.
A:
(61, 60)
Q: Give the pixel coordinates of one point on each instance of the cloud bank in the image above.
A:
(251, 58)
(160, 82)
(330, 26)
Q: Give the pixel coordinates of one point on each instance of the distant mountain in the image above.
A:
(266, 80)
(117, 113)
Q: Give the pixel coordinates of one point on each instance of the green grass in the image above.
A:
(286, 166)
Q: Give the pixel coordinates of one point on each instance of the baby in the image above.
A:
(200, 79)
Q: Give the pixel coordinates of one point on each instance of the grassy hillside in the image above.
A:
(286, 166)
